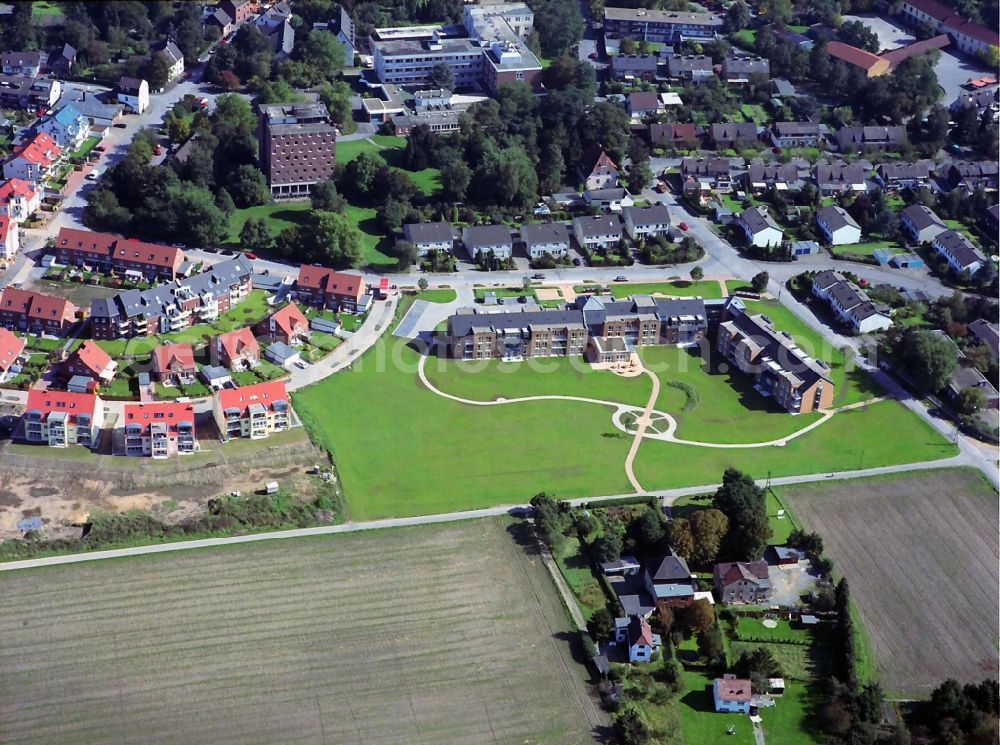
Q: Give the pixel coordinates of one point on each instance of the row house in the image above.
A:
(62, 418)
(850, 304)
(837, 226)
(895, 175)
(172, 306)
(545, 238)
(675, 135)
(28, 92)
(159, 429)
(35, 313)
(839, 178)
(641, 104)
(664, 26)
(634, 66)
(696, 68)
(970, 176)
(797, 134)
(253, 411)
(762, 176)
(743, 69)
(646, 222)
(921, 223)
(430, 236)
(488, 239)
(317, 285)
(90, 361)
(760, 228)
(287, 325)
(960, 253)
(34, 159)
(108, 252)
(782, 371)
(173, 364)
(597, 232)
(854, 139)
(702, 176)
(19, 199)
(733, 134)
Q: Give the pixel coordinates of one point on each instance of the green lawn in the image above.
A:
(700, 723)
(754, 629)
(868, 248)
(790, 721)
(678, 288)
(277, 215)
(45, 8)
(89, 144)
(732, 285)
(745, 38)
(427, 180)
(372, 239)
(575, 568)
(882, 434)
(438, 295)
(348, 150)
(482, 292)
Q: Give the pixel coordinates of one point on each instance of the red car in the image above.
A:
(251, 256)
(682, 226)
(592, 55)
(157, 149)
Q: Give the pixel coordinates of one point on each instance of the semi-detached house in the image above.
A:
(960, 253)
(601, 231)
(430, 236)
(921, 223)
(545, 238)
(323, 287)
(644, 222)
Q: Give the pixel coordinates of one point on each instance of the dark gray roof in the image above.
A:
(644, 101)
(169, 49)
(769, 173)
(758, 219)
(428, 232)
(705, 166)
(512, 317)
(545, 232)
(731, 131)
(654, 214)
(987, 333)
(486, 235)
(777, 345)
(689, 64)
(836, 217)
(598, 225)
(746, 66)
(921, 216)
(964, 251)
(634, 63)
(827, 279)
(839, 173)
(782, 87)
(896, 170)
(798, 129)
(670, 568)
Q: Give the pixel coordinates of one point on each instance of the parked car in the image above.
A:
(538, 275)
(250, 255)
(577, 262)
(157, 149)
(621, 278)
(683, 226)
(121, 125)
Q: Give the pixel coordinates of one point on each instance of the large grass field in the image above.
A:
(677, 288)
(326, 639)
(277, 215)
(920, 552)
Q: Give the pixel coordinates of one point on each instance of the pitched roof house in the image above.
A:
(597, 170)
(678, 135)
(174, 363)
(287, 325)
(643, 103)
(11, 346)
(24, 310)
(836, 178)
(837, 225)
(669, 581)
(760, 228)
(728, 134)
(896, 175)
(854, 139)
(742, 582)
(32, 159)
(318, 285)
(19, 199)
(762, 176)
(601, 231)
(235, 349)
(731, 694)
(430, 236)
(92, 361)
(545, 238)
(63, 418)
(850, 304)
(872, 64)
(642, 222)
(159, 429)
(10, 238)
(921, 222)
(960, 253)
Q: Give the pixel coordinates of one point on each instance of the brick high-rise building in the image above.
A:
(297, 143)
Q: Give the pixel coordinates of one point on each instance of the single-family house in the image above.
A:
(33, 159)
(696, 68)
(67, 127)
(287, 325)
(159, 429)
(643, 103)
(10, 238)
(342, 291)
(742, 69)
(675, 136)
(235, 350)
(430, 236)
(849, 303)
(669, 581)
(11, 348)
(597, 170)
(741, 582)
(133, 94)
(760, 227)
(487, 238)
(602, 231)
(644, 222)
(853, 139)
(550, 238)
(219, 19)
(896, 175)
(62, 60)
(91, 361)
(19, 199)
(21, 63)
(921, 223)
(731, 694)
(62, 418)
(732, 134)
(703, 176)
(635, 632)
(797, 134)
(761, 176)
(837, 226)
(172, 55)
(253, 411)
(838, 178)
(960, 253)
(614, 199)
(173, 364)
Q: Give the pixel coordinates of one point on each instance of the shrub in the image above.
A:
(693, 397)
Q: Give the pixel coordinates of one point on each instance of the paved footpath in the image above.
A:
(668, 496)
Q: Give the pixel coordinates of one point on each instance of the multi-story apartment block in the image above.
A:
(159, 429)
(19, 199)
(173, 306)
(108, 252)
(667, 26)
(317, 285)
(68, 127)
(781, 370)
(511, 332)
(970, 37)
(35, 313)
(33, 159)
(27, 92)
(61, 418)
(254, 411)
(297, 147)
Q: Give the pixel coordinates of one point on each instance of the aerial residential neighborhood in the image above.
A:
(493, 371)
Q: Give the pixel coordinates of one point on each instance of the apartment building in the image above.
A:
(67, 127)
(33, 159)
(11, 349)
(667, 26)
(297, 147)
(158, 429)
(317, 285)
(970, 37)
(850, 304)
(19, 199)
(780, 370)
(172, 306)
(28, 92)
(512, 332)
(253, 411)
(61, 418)
(108, 252)
(35, 313)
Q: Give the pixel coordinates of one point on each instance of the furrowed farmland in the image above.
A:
(920, 553)
(432, 634)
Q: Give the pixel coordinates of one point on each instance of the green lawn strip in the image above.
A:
(45, 8)
(482, 292)
(700, 723)
(363, 218)
(85, 147)
(438, 295)
(575, 568)
(850, 387)
(679, 288)
(728, 410)
(868, 248)
(732, 285)
(745, 38)
(753, 629)
(348, 150)
(883, 434)
(277, 215)
(428, 180)
(487, 380)
(397, 457)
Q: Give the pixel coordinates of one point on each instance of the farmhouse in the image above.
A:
(731, 694)
(760, 228)
(317, 285)
(921, 223)
(960, 253)
(781, 370)
(545, 238)
(742, 582)
(837, 226)
(173, 364)
(670, 582)
(254, 411)
(159, 429)
(61, 418)
(35, 313)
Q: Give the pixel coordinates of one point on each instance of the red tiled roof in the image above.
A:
(85, 240)
(167, 412)
(168, 354)
(16, 187)
(40, 149)
(93, 357)
(852, 55)
(732, 689)
(896, 56)
(314, 277)
(47, 401)
(155, 254)
(288, 319)
(36, 305)
(595, 156)
(234, 342)
(949, 17)
(639, 632)
(259, 393)
(5, 226)
(11, 346)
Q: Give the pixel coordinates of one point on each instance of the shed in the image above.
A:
(808, 620)
(324, 325)
(907, 260)
(281, 354)
(882, 255)
(81, 384)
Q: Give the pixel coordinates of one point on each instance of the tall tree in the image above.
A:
(929, 359)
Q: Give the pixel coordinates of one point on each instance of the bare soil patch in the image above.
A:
(920, 552)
